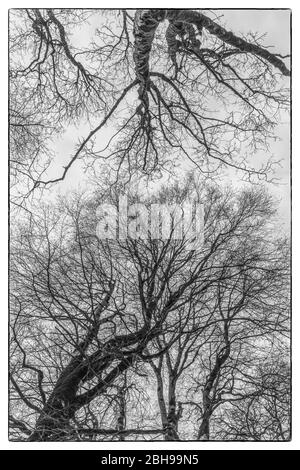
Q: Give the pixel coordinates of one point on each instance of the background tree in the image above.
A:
(91, 317)
(261, 410)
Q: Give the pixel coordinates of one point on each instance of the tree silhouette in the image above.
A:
(87, 311)
(148, 336)
(169, 85)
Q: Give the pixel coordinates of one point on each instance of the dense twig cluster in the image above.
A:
(171, 84)
(146, 337)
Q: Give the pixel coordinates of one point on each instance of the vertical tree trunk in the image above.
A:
(173, 415)
(121, 421)
(203, 433)
(208, 395)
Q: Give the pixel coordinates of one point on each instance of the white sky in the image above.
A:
(274, 24)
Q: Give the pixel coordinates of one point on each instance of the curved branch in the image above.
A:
(86, 140)
(147, 21)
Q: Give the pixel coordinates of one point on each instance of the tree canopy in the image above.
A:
(155, 87)
(146, 337)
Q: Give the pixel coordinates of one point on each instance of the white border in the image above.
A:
(4, 443)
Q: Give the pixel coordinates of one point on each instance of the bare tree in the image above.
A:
(261, 410)
(147, 336)
(223, 336)
(86, 312)
(171, 85)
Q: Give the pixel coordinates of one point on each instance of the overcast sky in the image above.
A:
(276, 27)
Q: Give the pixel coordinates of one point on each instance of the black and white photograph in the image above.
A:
(149, 226)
